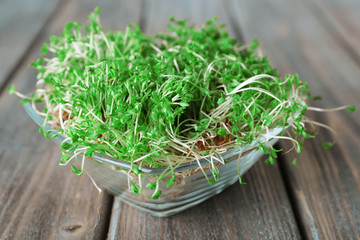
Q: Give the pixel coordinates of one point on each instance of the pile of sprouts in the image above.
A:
(159, 101)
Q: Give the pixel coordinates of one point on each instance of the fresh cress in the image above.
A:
(159, 101)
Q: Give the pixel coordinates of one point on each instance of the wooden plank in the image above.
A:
(325, 187)
(39, 199)
(340, 19)
(196, 13)
(258, 210)
(20, 24)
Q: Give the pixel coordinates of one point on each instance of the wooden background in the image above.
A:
(319, 39)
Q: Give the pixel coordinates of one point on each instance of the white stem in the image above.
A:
(327, 110)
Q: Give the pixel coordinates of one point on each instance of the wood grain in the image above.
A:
(340, 19)
(318, 200)
(39, 199)
(259, 210)
(325, 188)
(21, 21)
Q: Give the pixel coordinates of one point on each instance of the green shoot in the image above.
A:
(159, 101)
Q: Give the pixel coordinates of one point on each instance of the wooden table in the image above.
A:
(318, 200)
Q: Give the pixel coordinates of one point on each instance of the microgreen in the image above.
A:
(158, 101)
(294, 163)
(11, 89)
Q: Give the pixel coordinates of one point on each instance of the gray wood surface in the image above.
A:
(257, 210)
(318, 200)
(20, 25)
(312, 40)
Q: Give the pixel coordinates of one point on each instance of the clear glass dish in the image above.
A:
(186, 192)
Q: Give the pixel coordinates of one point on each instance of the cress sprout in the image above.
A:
(159, 101)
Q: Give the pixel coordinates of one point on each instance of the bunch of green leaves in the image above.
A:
(158, 101)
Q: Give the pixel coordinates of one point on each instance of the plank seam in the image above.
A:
(107, 214)
(142, 15)
(292, 201)
(30, 47)
(291, 195)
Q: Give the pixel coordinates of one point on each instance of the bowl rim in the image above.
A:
(182, 167)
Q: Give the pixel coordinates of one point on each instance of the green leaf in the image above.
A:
(254, 44)
(44, 48)
(90, 152)
(136, 169)
(316, 97)
(156, 195)
(151, 185)
(241, 181)
(351, 108)
(97, 10)
(25, 100)
(73, 148)
(215, 174)
(270, 160)
(53, 39)
(66, 146)
(221, 131)
(64, 158)
(134, 189)
(211, 182)
(298, 148)
(11, 89)
(55, 135)
(327, 145)
(42, 131)
(76, 170)
(204, 153)
(171, 181)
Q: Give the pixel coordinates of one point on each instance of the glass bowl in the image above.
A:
(190, 187)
